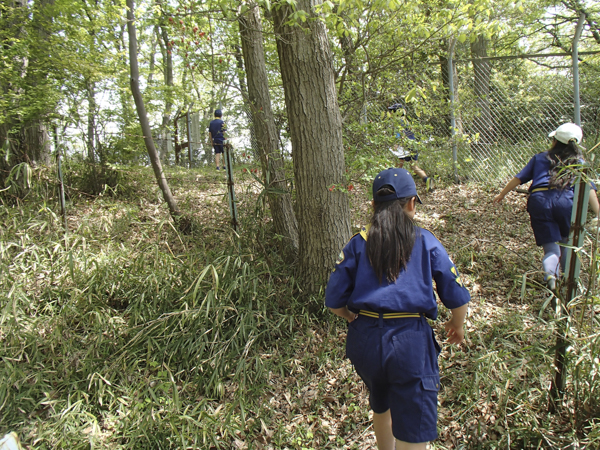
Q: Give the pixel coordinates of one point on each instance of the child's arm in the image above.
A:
(454, 327)
(345, 313)
(509, 187)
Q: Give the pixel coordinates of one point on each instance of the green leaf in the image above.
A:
(462, 38)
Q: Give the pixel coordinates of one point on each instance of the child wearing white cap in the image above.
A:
(551, 196)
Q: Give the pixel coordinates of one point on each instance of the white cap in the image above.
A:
(567, 132)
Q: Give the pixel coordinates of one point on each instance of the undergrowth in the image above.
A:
(124, 333)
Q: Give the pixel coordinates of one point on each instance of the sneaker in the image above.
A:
(551, 283)
(217, 167)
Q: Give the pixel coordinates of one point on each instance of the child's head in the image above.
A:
(398, 182)
(564, 153)
(218, 113)
(567, 132)
(392, 232)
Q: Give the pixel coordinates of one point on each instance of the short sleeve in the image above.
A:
(341, 282)
(449, 285)
(526, 174)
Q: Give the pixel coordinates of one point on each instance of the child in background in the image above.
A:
(409, 154)
(551, 196)
(382, 285)
(216, 136)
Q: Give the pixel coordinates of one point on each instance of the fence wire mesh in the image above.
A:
(504, 110)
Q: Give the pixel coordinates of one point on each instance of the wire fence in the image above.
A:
(503, 111)
(499, 114)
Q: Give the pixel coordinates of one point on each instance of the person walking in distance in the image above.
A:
(406, 152)
(551, 196)
(382, 285)
(216, 134)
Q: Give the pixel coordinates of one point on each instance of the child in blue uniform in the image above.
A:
(216, 135)
(382, 284)
(408, 155)
(551, 196)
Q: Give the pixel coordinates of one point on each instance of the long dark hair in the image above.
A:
(391, 236)
(561, 156)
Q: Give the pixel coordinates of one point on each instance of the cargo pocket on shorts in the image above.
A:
(431, 386)
(410, 351)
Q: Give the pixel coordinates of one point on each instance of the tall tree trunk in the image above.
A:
(26, 132)
(272, 163)
(91, 132)
(315, 124)
(237, 51)
(483, 122)
(141, 110)
(168, 77)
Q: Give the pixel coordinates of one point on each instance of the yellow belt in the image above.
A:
(394, 315)
(540, 189)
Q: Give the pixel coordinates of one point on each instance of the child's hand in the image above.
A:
(455, 334)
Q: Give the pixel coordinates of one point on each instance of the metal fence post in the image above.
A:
(573, 263)
(578, 30)
(452, 118)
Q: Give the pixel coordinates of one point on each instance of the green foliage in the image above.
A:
(106, 328)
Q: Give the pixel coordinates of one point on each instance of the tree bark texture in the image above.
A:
(315, 123)
(239, 59)
(259, 102)
(26, 132)
(168, 76)
(91, 133)
(141, 110)
(483, 123)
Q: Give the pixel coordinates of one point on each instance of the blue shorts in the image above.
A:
(550, 214)
(412, 157)
(397, 360)
(218, 148)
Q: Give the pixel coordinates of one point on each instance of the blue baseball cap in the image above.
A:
(395, 107)
(400, 180)
(218, 113)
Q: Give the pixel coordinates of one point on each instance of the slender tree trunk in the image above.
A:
(91, 133)
(316, 133)
(168, 77)
(272, 163)
(141, 110)
(239, 59)
(483, 122)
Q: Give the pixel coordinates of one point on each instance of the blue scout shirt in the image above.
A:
(409, 134)
(216, 128)
(537, 169)
(353, 282)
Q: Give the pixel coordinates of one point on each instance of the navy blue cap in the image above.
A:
(400, 180)
(218, 113)
(395, 107)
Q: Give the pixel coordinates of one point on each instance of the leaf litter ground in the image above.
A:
(494, 385)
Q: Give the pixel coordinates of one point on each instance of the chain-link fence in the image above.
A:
(504, 113)
(501, 111)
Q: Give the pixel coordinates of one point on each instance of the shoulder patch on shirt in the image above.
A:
(364, 232)
(457, 279)
(340, 258)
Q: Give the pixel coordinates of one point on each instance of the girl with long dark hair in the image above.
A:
(382, 285)
(551, 196)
